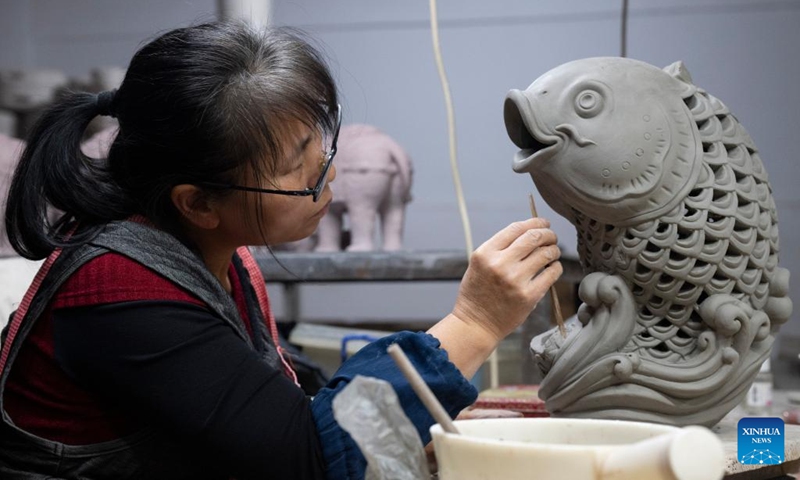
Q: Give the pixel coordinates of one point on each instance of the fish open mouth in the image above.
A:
(535, 144)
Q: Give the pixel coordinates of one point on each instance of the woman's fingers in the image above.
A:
(505, 237)
(530, 241)
(508, 275)
(538, 259)
(540, 284)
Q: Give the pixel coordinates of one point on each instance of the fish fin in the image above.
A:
(679, 71)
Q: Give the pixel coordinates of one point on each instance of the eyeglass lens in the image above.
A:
(323, 179)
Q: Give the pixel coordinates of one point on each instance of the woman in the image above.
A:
(148, 350)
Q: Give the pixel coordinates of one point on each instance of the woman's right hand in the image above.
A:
(508, 275)
(506, 278)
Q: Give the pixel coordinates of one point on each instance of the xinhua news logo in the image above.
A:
(761, 441)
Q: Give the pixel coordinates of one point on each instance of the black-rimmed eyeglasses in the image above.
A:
(325, 164)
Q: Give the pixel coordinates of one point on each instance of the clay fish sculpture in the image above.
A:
(677, 232)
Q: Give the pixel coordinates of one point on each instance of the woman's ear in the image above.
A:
(195, 206)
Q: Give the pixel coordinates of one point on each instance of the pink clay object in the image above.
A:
(373, 181)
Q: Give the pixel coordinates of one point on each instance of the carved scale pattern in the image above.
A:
(730, 212)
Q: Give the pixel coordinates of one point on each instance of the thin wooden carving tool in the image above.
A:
(553, 294)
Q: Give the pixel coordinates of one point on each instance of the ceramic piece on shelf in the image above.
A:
(23, 90)
(677, 232)
(373, 181)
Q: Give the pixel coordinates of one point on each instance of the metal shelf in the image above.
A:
(401, 266)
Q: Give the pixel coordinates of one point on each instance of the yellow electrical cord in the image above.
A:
(451, 128)
(494, 370)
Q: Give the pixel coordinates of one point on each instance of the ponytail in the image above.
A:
(198, 105)
(53, 172)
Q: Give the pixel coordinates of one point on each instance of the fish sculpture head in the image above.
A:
(611, 138)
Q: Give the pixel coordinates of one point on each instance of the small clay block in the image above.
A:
(516, 398)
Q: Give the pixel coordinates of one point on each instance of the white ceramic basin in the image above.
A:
(575, 449)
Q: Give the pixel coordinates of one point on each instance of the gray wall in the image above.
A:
(76, 35)
(744, 52)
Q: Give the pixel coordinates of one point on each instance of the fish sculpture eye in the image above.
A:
(588, 103)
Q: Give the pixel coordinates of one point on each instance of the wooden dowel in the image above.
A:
(553, 293)
(422, 389)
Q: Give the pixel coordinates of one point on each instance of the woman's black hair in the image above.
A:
(198, 104)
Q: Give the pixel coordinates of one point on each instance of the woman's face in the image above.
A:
(284, 218)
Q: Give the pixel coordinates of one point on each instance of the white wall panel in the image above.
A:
(15, 35)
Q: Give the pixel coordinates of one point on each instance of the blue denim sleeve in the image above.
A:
(342, 456)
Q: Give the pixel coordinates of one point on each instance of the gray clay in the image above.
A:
(677, 231)
(373, 181)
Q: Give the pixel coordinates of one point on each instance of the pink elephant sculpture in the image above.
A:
(373, 180)
(10, 150)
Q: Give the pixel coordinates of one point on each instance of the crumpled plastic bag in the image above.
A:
(368, 409)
